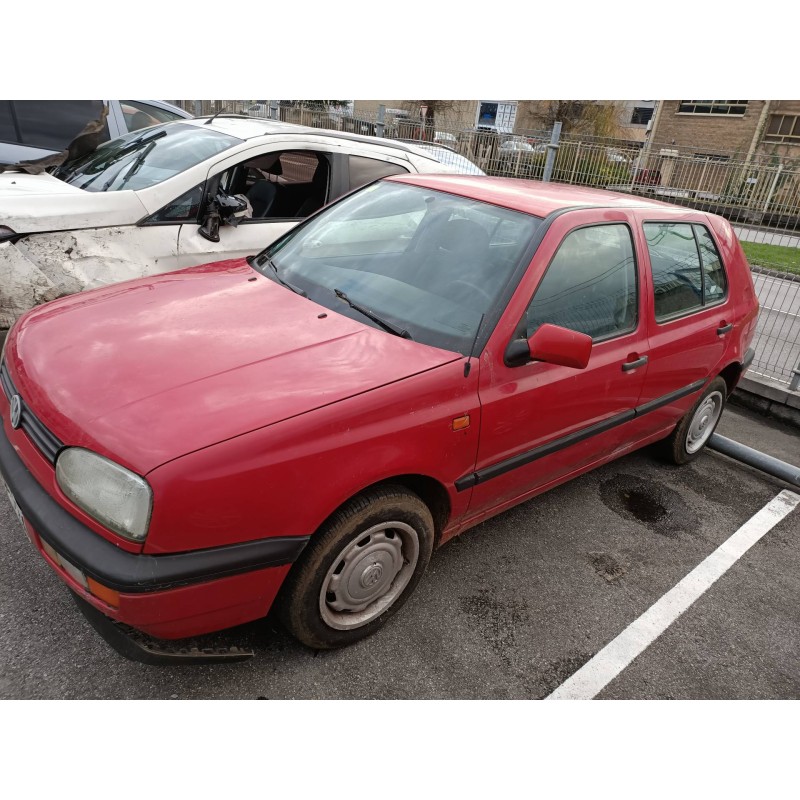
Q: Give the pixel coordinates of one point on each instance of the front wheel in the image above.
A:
(694, 430)
(359, 568)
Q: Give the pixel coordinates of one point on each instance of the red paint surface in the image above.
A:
(251, 417)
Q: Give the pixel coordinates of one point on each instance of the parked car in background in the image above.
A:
(302, 428)
(446, 139)
(31, 129)
(259, 109)
(154, 200)
(515, 146)
(647, 177)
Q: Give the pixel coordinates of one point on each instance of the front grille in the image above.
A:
(47, 443)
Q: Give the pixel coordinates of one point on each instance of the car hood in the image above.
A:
(146, 371)
(35, 203)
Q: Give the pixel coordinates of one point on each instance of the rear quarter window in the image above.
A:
(688, 273)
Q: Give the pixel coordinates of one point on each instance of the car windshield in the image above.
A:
(431, 265)
(144, 158)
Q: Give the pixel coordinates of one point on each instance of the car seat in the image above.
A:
(315, 199)
(262, 196)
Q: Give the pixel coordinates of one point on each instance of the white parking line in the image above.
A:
(600, 670)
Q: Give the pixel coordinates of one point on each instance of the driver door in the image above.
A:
(297, 173)
(540, 422)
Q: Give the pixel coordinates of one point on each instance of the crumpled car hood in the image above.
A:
(35, 203)
(146, 371)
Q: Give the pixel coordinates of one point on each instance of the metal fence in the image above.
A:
(759, 192)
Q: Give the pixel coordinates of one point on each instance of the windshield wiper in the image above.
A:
(401, 332)
(74, 164)
(137, 164)
(268, 262)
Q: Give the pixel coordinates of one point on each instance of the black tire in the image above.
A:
(678, 447)
(352, 564)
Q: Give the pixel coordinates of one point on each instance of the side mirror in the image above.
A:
(553, 345)
(210, 227)
(224, 209)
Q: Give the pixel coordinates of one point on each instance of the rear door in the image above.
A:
(540, 422)
(689, 311)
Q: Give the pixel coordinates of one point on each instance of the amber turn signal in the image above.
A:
(459, 423)
(103, 593)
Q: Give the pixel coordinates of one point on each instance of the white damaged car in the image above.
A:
(175, 195)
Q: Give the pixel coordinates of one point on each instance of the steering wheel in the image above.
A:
(473, 288)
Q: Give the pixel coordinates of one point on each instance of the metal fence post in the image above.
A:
(198, 108)
(273, 109)
(379, 126)
(551, 152)
(794, 384)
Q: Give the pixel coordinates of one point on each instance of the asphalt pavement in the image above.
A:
(509, 609)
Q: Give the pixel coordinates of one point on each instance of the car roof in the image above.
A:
(531, 197)
(251, 128)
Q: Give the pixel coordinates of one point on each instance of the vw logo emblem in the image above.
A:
(16, 411)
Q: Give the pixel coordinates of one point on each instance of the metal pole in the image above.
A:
(772, 188)
(755, 458)
(551, 152)
(198, 108)
(273, 109)
(575, 162)
(794, 384)
(379, 127)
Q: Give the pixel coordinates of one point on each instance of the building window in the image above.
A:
(496, 116)
(641, 115)
(783, 128)
(731, 108)
(712, 157)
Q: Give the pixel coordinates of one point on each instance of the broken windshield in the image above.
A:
(144, 158)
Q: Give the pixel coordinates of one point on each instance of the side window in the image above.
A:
(681, 281)
(281, 184)
(715, 284)
(365, 170)
(590, 285)
(142, 115)
(185, 209)
(8, 131)
(53, 124)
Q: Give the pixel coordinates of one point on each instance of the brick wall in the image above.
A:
(710, 133)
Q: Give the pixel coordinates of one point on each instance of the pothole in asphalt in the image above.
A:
(642, 505)
(651, 503)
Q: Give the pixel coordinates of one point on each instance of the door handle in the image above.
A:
(724, 329)
(629, 365)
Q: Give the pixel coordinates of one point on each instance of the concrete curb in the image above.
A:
(768, 397)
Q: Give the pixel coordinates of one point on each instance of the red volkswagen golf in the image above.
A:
(302, 428)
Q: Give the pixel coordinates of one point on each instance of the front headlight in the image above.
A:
(113, 495)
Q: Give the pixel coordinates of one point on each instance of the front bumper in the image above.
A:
(167, 596)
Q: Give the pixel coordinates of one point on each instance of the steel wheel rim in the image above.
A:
(703, 422)
(368, 575)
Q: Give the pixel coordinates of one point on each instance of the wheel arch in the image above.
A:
(731, 375)
(431, 491)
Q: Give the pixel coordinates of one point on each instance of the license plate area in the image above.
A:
(14, 505)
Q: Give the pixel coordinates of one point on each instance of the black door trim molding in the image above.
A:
(501, 467)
